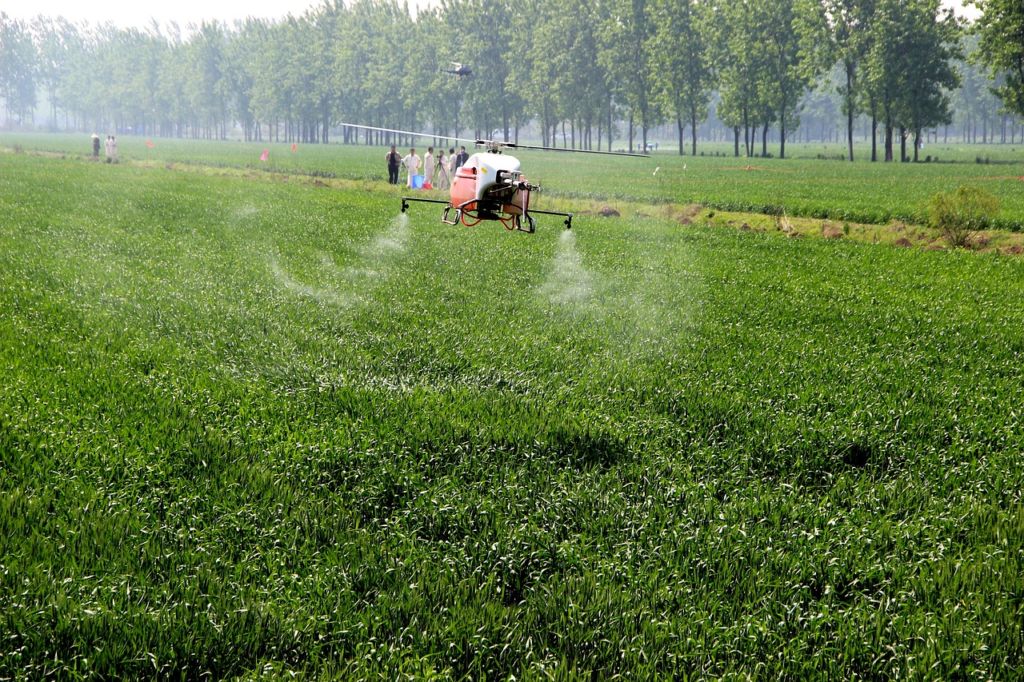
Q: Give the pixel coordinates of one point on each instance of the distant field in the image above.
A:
(258, 428)
(859, 192)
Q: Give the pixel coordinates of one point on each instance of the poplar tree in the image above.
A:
(683, 62)
(1001, 48)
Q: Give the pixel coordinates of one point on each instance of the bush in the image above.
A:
(958, 215)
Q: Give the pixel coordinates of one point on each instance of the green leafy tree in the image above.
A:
(175, 110)
(18, 68)
(908, 66)
(581, 84)
(58, 41)
(975, 102)
(540, 68)
(1001, 27)
(239, 74)
(627, 38)
(838, 31)
(481, 33)
(206, 87)
(788, 71)
(425, 85)
(683, 62)
(738, 39)
(931, 47)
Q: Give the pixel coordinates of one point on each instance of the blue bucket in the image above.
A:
(417, 182)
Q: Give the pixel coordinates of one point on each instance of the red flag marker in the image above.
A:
(149, 144)
(294, 147)
(265, 155)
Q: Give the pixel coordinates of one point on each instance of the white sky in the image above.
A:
(139, 13)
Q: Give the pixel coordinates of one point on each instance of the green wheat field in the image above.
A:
(252, 427)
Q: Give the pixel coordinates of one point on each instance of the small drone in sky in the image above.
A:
(459, 70)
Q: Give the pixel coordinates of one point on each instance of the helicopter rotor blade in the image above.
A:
(490, 144)
(411, 133)
(514, 145)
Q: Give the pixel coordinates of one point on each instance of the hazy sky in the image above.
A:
(135, 13)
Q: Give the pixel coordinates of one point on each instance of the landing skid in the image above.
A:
(567, 216)
(530, 225)
(406, 200)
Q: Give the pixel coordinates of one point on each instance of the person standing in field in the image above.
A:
(113, 149)
(462, 158)
(428, 169)
(394, 163)
(108, 148)
(451, 162)
(95, 146)
(412, 165)
(442, 170)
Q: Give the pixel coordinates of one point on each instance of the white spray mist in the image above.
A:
(568, 282)
(320, 294)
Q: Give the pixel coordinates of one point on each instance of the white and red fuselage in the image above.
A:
(490, 186)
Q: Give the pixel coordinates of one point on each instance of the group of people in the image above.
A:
(110, 148)
(437, 171)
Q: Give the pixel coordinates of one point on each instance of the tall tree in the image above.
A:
(788, 70)
(931, 48)
(582, 88)
(18, 67)
(627, 41)
(838, 30)
(483, 32)
(57, 41)
(239, 75)
(207, 87)
(738, 41)
(887, 69)
(683, 62)
(974, 102)
(1001, 27)
(909, 70)
(544, 73)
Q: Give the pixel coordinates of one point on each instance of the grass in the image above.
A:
(804, 186)
(260, 428)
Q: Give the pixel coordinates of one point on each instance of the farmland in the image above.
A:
(808, 186)
(253, 427)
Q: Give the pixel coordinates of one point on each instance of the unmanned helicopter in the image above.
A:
(459, 69)
(490, 185)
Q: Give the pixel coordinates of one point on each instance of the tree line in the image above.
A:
(581, 72)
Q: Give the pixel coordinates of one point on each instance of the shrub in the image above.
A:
(958, 215)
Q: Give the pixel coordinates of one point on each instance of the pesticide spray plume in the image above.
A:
(372, 262)
(320, 294)
(569, 282)
(394, 240)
